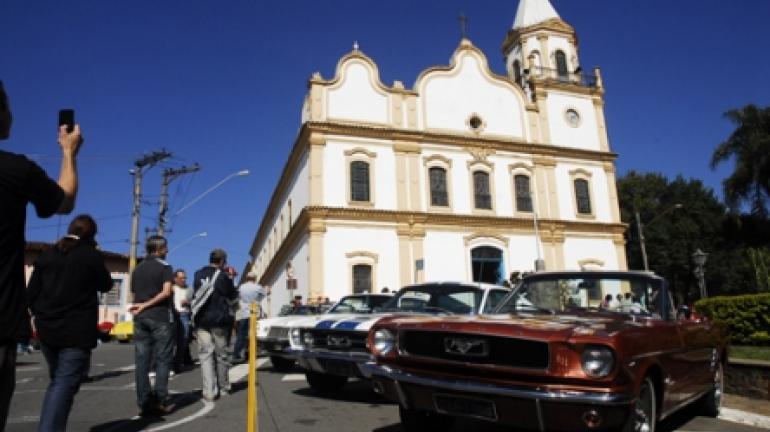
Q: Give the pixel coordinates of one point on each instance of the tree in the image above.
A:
(749, 144)
(678, 217)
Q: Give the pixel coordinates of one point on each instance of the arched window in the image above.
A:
(582, 196)
(517, 72)
(438, 187)
(487, 264)
(481, 195)
(523, 193)
(359, 181)
(561, 65)
(362, 278)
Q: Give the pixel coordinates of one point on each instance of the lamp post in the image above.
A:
(640, 231)
(188, 240)
(699, 258)
(209, 190)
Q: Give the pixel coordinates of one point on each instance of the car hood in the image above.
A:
(554, 327)
(264, 325)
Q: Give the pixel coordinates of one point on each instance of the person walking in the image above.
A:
(62, 295)
(248, 293)
(182, 297)
(213, 292)
(21, 182)
(154, 332)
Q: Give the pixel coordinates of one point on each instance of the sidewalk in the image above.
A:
(755, 412)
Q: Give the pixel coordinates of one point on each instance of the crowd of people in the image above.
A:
(62, 296)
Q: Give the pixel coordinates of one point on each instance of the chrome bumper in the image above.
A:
(314, 360)
(374, 371)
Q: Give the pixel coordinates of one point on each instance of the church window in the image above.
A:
(582, 196)
(523, 193)
(481, 191)
(561, 65)
(438, 187)
(517, 72)
(362, 278)
(359, 181)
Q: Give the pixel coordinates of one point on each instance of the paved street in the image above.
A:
(286, 404)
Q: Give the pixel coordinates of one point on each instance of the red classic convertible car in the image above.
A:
(554, 357)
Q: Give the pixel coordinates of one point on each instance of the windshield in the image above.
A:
(298, 310)
(438, 299)
(575, 292)
(359, 304)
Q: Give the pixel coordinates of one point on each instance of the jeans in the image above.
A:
(7, 379)
(182, 355)
(152, 339)
(212, 353)
(66, 367)
(241, 337)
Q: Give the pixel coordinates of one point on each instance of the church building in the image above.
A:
(467, 176)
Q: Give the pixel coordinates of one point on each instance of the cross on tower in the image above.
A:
(463, 25)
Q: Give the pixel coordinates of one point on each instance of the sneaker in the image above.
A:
(171, 374)
(209, 398)
(164, 409)
(151, 374)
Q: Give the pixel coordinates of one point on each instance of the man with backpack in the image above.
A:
(213, 293)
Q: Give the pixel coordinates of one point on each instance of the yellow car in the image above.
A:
(123, 331)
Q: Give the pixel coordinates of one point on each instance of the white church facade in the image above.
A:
(467, 176)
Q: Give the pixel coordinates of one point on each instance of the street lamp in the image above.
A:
(640, 231)
(191, 238)
(699, 258)
(209, 190)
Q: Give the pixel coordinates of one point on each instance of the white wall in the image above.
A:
(447, 100)
(279, 295)
(577, 249)
(586, 135)
(356, 97)
(445, 256)
(339, 241)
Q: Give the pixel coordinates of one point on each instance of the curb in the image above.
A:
(744, 417)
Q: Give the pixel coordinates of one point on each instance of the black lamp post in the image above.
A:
(699, 258)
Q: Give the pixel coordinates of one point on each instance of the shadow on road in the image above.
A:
(359, 391)
(135, 424)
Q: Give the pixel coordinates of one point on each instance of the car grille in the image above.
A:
(474, 348)
(278, 333)
(338, 340)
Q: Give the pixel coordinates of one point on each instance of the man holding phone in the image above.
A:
(23, 181)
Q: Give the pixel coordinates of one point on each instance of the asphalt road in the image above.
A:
(286, 403)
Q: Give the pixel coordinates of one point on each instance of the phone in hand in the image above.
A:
(67, 118)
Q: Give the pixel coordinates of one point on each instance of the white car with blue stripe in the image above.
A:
(332, 349)
(273, 333)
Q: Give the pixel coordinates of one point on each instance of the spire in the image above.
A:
(531, 12)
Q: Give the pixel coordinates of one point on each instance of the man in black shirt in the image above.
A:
(154, 330)
(23, 181)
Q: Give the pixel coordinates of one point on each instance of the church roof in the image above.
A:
(531, 12)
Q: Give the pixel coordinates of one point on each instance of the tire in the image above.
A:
(281, 364)
(325, 383)
(712, 401)
(424, 421)
(644, 412)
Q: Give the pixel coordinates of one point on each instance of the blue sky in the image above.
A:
(222, 84)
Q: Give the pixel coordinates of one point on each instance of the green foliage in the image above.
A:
(749, 146)
(760, 260)
(747, 316)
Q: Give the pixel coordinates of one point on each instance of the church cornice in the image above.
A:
(551, 26)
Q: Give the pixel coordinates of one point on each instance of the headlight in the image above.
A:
(383, 342)
(294, 339)
(597, 361)
(308, 339)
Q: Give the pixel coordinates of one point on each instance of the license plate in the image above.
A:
(338, 367)
(465, 406)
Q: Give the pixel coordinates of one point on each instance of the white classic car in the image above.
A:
(333, 348)
(273, 333)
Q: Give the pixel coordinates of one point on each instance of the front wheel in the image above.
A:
(712, 401)
(325, 383)
(644, 414)
(424, 421)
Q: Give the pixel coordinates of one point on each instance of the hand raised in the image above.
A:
(70, 142)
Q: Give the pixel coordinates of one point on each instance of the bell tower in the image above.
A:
(540, 44)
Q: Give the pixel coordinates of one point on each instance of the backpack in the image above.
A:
(201, 296)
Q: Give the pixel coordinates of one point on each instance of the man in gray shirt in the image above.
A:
(249, 292)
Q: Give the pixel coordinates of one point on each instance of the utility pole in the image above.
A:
(169, 175)
(145, 162)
